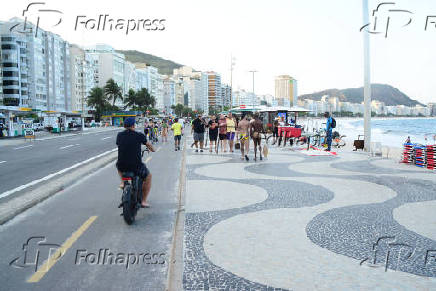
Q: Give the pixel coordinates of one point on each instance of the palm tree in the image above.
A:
(145, 100)
(113, 91)
(98, 100)
(131, 100)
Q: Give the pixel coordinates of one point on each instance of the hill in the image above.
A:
(164, 66)
(385, 93)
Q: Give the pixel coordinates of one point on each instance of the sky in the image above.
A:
(317, 42)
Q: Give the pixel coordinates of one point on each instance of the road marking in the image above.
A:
(68, 146)
(1, 162)
(158, 149)
(106, 137)
(23, 147)
(60, 251)
(34, 182)
(148, 159)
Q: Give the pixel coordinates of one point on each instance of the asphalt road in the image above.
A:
(86, 221)
(24, 163)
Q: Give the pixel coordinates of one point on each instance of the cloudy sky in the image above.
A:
(318, 42)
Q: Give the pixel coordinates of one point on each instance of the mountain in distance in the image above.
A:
(164, 66)
(384, 93)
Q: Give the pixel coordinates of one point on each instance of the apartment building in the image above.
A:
(286, 91)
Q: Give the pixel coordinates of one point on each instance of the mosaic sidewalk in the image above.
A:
(299, 222)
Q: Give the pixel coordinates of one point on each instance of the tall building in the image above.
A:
(111, 65)
(35, 68)
(286, 90)
(212, 89)
(169, 93)
(83, 78)
(432, 108)
(226, 95)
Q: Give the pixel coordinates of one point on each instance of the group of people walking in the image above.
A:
(227, 133)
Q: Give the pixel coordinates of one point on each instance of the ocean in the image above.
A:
(392, 131)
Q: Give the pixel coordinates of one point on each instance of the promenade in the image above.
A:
(301, 222)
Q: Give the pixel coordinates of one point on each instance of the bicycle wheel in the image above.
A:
(128, 205)
(315, 140)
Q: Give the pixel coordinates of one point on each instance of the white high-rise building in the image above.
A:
(111, 65)
(35, 68)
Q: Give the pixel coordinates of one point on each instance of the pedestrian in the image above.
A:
(177, 129)
(256, 128)
(330, 124)
(213, 132)
(198, 127)
(1, 129)
(231, 130)
(164, 130)
(222, 124)
(244, 138)
(275, 131)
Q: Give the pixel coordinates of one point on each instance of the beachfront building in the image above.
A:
(111, 65)
(420, 110)
(169, 93)
(35, 73)
(226, 95)
(212, 89)
(286, 90)
(431, 107)
(180, 93)
(84, 77)
(129, 77)
(244, 98)
(378, 107)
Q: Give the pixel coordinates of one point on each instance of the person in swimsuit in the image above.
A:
(164, 130)
(244, 138)
(256, 128)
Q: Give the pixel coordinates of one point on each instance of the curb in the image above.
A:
(175, 269)
(15, 206)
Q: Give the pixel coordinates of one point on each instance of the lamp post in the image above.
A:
(367, 79)
(254, 95)
(232, 63)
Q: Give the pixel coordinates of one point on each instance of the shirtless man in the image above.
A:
(256, 127)
(244, 138)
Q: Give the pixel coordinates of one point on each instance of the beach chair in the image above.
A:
(359, 144)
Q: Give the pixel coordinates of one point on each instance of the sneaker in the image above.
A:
(175, 150)
(178, 148)
(246, 158)
(201, 151)
(196, 151)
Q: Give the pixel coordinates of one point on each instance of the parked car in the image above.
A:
(38, 126)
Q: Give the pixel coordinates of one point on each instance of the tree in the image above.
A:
(144, 100)
(131, 100)
(178, 109)
(112, 91)
(99, 101)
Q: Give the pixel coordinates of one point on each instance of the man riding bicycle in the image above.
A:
(129, 144)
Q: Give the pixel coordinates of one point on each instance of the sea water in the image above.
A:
(392, 131)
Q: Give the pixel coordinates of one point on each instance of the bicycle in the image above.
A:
(318, 138)
(132, 194)
(338, 141)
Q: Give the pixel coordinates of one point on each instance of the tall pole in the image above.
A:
(232, 63)
(367, 79)
(254, 95)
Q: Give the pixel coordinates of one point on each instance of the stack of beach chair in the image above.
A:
(430, 150)
(408, 153)
(419, 152)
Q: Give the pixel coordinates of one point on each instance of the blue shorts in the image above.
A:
(230, 135)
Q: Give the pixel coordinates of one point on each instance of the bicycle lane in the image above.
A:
(100, 250)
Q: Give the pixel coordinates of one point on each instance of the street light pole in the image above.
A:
(254, 95)
(232, 63)
(367, 79)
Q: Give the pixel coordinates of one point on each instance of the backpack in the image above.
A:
(333, 124)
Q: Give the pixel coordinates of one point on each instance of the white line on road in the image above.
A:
(1, 162)
(158, 149)
(106, 137)
(68, 146)
(23, 147)
(34, 182)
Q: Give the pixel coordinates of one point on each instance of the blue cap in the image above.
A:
(129, 122)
